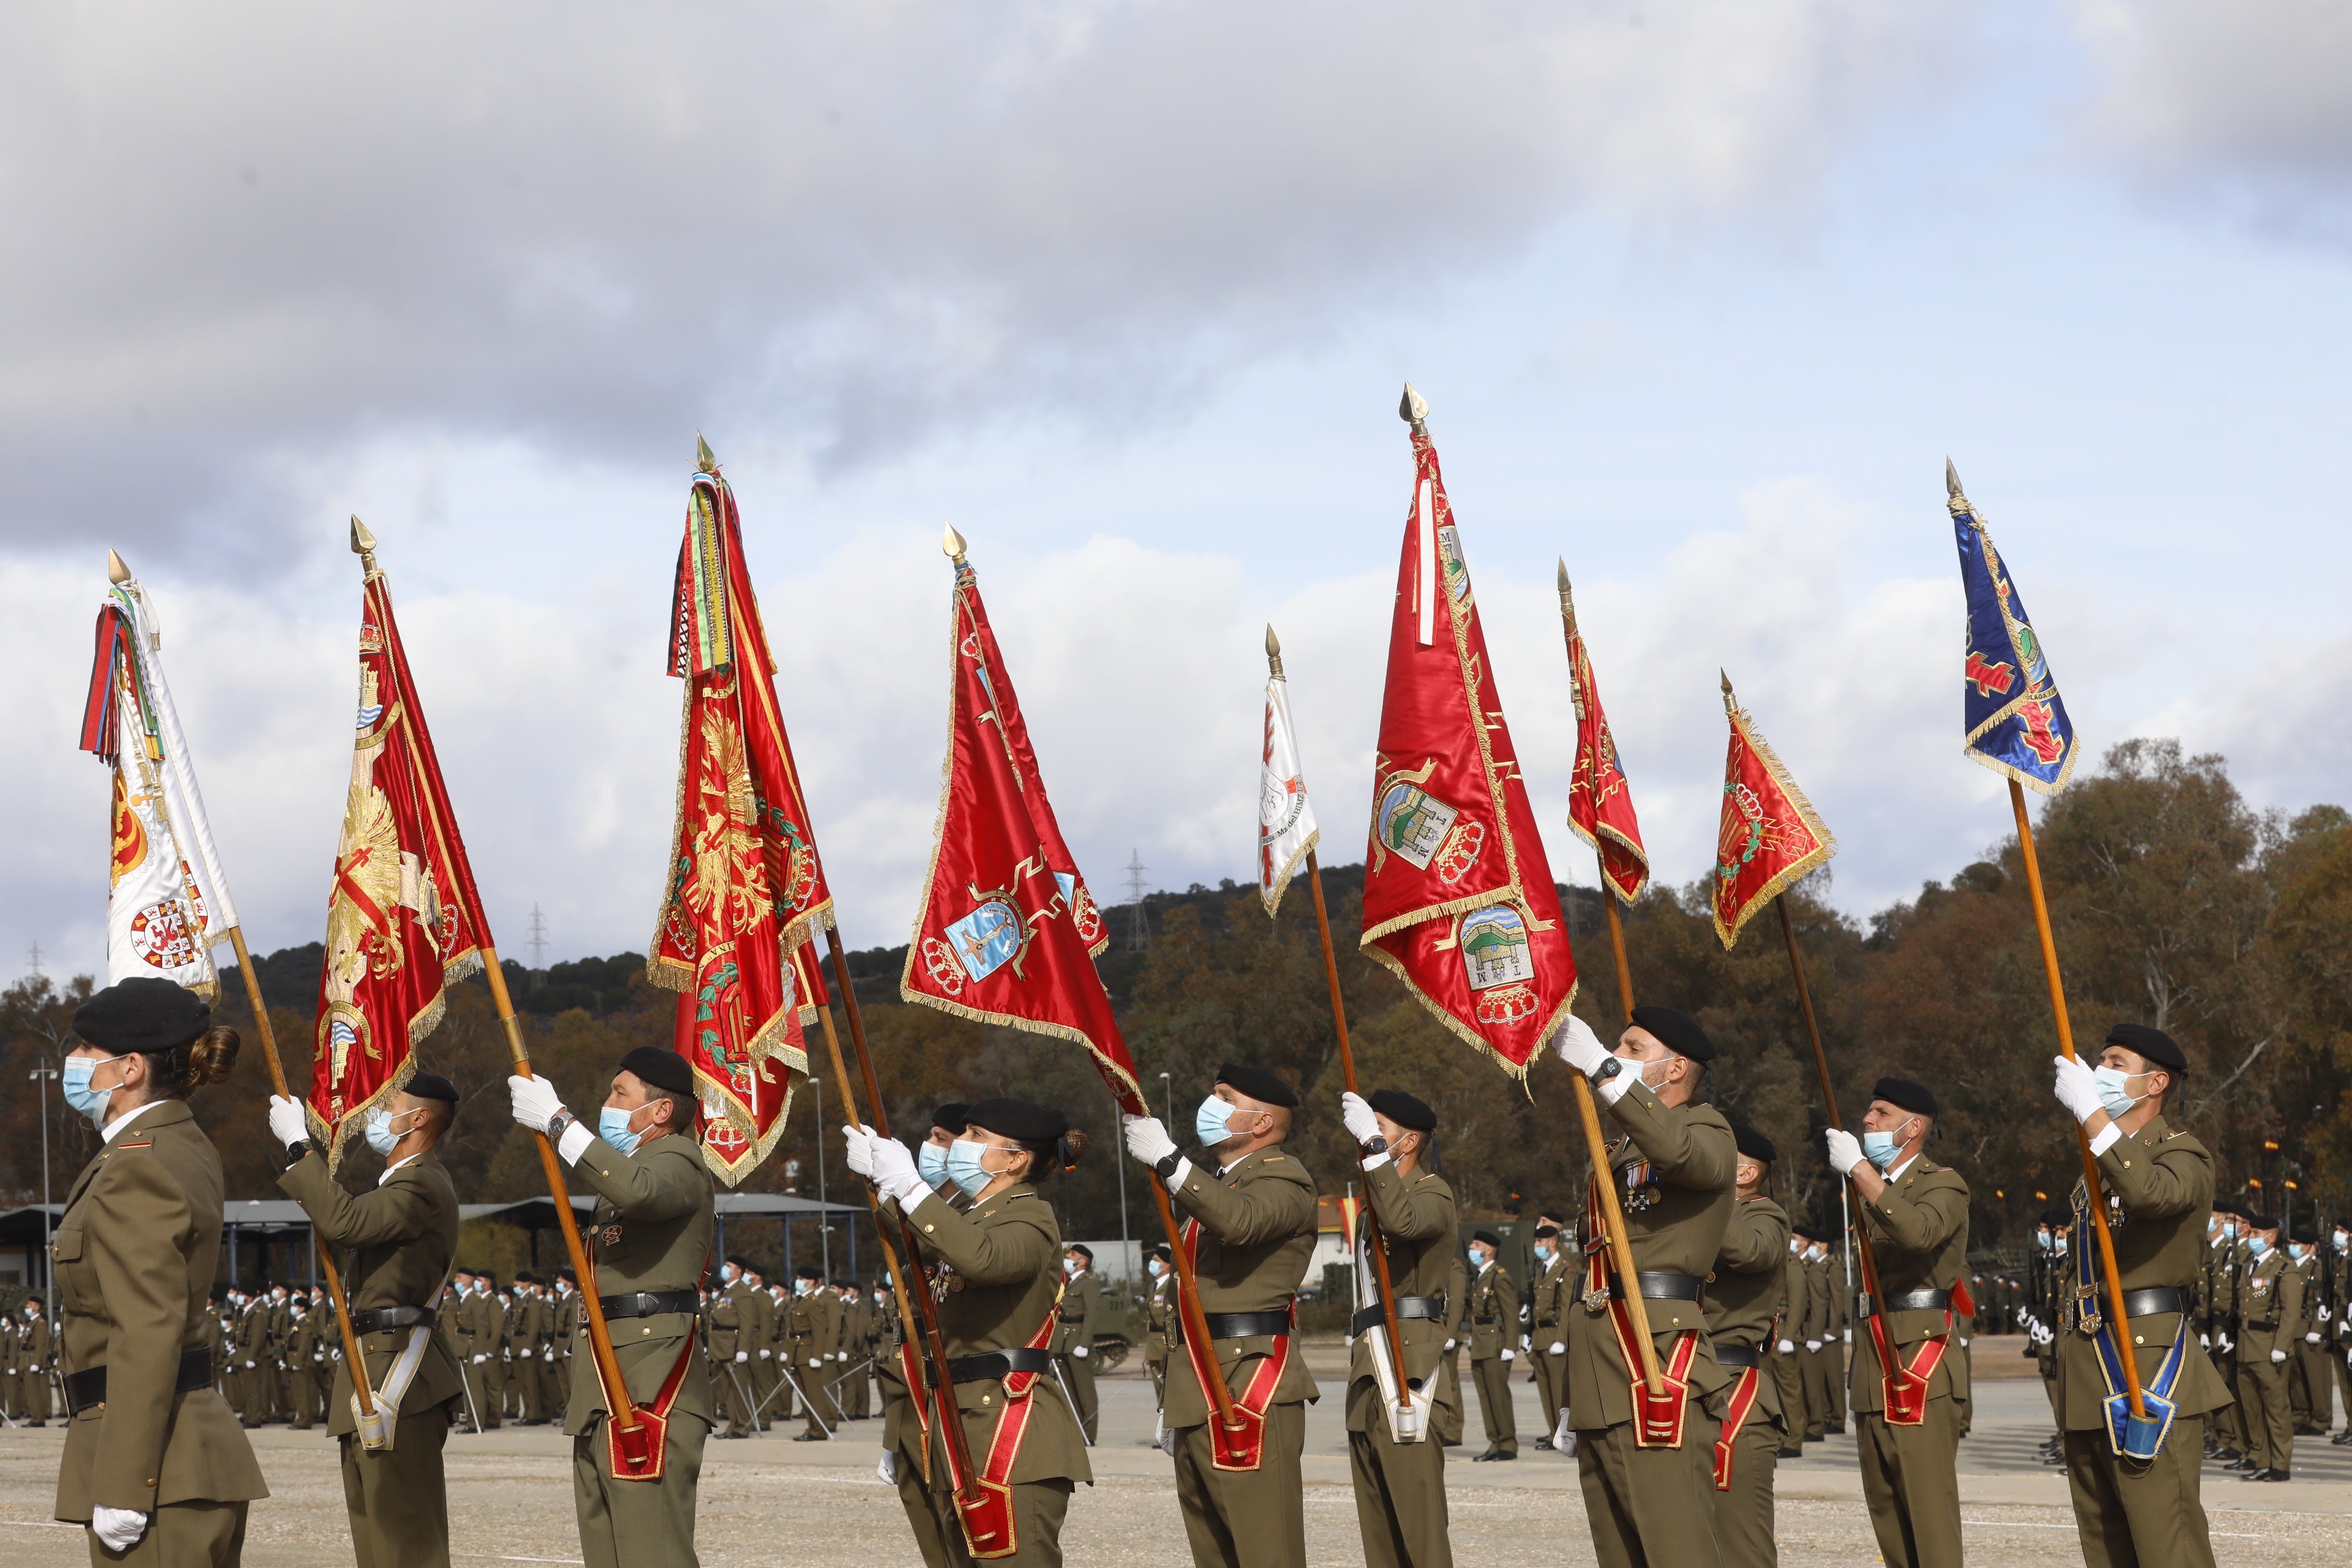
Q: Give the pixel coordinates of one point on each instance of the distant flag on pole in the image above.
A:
(1286, 819)
(404, 919)
(1007, 933)
(1599, 799)
(167, 902)
(745, 889)
(2016, 723)
(1458, 897)
(1770, 838)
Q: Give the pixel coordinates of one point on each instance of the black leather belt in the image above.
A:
(1663, 1287)
(997, 1364)
(1906, 1301)
(1431, 1308)
(87, 1387)
(649, 1303)
(1737, 1355)
(1242, 1325)
(2264, 1326)
(2154, 1302)
(384, 1319)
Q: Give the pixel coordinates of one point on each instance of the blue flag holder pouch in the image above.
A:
(2138, 1438)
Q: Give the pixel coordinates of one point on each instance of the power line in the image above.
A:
(1139, 924)
(538, 939)
(34, 961)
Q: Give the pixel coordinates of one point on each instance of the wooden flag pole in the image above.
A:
(1616, 938)
(351, 1357)
(1829, 1091)
(2118, 1317)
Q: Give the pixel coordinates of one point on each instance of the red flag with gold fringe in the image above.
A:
(404, 919)
(1007, 933)
(1770, 838)
(1458, 895)
(1599, 799)
(746, 889)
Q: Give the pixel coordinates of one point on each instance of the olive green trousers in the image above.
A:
(2131, 1515)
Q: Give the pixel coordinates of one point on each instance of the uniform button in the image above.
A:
(2139, 1339)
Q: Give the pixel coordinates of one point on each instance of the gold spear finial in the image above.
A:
(1273, 652)
(1566, 599)
(952, 542)
(706, 461)
(1730, 703)
(1413, 409)
(116, 571)
(363, 546)
(1956, 499)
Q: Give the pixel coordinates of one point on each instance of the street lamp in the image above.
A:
(42, 1075)
(824, 1217)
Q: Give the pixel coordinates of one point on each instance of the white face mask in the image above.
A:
(1071, 1265)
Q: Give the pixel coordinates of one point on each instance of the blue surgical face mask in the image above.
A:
(379, 1133)
(1209, 1123)
(965, 1169)
(90, 1102)
(1879, 1149)
(1543, 1252)
(2115, 1091)
(2257, 1245)
(931, 1161)
(612, 1127)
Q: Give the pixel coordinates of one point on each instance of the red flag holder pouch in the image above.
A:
(637, 1454)
(989, 1529)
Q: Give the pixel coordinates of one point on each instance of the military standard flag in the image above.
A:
(1458, 897)
(745, 890)
(404, 919)
(167, 902)
(1286, 819)
(1007, 933)
(2015, 722)
(1599, 800)
(1770, 837)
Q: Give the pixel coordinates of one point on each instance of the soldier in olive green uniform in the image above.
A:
(306, 1355)
(2317, 1412)
(2271, 1304)
(34, 1355)
(1915, 1215)
(1397, 1464)
(2334, 1316)
(569, 1315)
(655, 1221)
(996, 1273)
(809, 1343)
(1453, 1410)
(1074, 1334)
(1550, 1298)
(730, 1349)
(1494, 1345)
(1673, 1165)
(1787, 1370)
(399, 1243)
(1836, 1333)
(1159, 1319)
(2159, 1187)
(2217, 1304)
(1742, 1301)
(154, 1463)
(1254, 1214)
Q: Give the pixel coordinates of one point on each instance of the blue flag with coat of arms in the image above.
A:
(2016, 723)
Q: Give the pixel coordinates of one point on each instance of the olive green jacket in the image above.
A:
(1494, 1314)
(655, 1221)
(398, 1243)
(1552, 1297)
(2271, 1302)
(1081, 1297)
(1257, 1236)
(1918, 1236)
(134, 1253)
(1744, 1293)
(1001, 1269)
(1676, 1228)
(1416, 1216)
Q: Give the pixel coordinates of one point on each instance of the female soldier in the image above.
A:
(154, 1462)
(997, 1276)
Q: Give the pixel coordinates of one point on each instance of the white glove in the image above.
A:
(535, 1101)
(1080, 1351)
(1814, 1344)
(815, 1364)
(1146, 1139)
(2322, 1311)
(119, 1528)
(285, 1120)
(894, 1176)
(1845, 1150)
(1508, 1353)
(1579, 1046)
(2205, 1341)
(477, 1360)
(1964, 1344)
(764, 1354)
(1788, 1347)
(861, 1148)
(2077, 1089)
(1449, 1345)
(1357, 1118)
(1847, 1336)
(248, 1366)
(2277, 1356)
(2310, 1339)
(743, 1355)
(1558, 1347)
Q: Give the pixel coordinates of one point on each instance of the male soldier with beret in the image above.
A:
(2158, 1183)
(1494, 1336)
(1673, 1165)
(1159, 1318)
(1074, 1334)
(1914, 1219)
(1743, 1299)
(1254, 1227)
(2270, 1305)
(654, 1220)
(1550, 1298)
(1787, 1368)
(1398, 1463)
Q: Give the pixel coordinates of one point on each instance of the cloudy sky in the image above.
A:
(1701, 295)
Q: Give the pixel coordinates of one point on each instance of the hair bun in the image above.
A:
(213, 1055)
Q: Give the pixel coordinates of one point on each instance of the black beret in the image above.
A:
(1489, 1237)
(1082, 1249)
(1752, 1143)
(1161, 1251)
(143, 1014)
(663, 1070)
(2261, 1222)
(1546, 1230)
(809, 1271)
(1905, 1094)
(431, 1086)
(1259, 1084)
(1017, 1120)
(1413, 1115)
(737, 1259)
(1677, 1031)
(2305, 1235)
(1810, 1232)
(952, 1116)
(2152, 1046)
(2056, 1215)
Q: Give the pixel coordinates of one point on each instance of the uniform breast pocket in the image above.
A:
(77, 1282)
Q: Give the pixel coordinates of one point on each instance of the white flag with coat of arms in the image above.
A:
(1285, 822)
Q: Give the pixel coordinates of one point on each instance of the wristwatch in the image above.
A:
(559, 1124)
(1166, 1167)
(1609, 1068)
(296, 1150)
(1375, 1145)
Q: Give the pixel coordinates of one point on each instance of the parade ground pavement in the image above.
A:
(770, 1501)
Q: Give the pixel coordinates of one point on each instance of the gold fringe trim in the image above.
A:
(333, 1139)
(1825, 842)
(1282, 879)
(1103, 1064)
(1518, 1071)
(762, 1145)
(2073, 753)
(667, 972)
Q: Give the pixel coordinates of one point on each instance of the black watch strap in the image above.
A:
(296, 1150)
(1375, 1145)
(1166, 1167)
(1608, 1070)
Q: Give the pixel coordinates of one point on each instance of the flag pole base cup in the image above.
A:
(2140, 1437)
(2143, 1436)
(1405, 1421)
